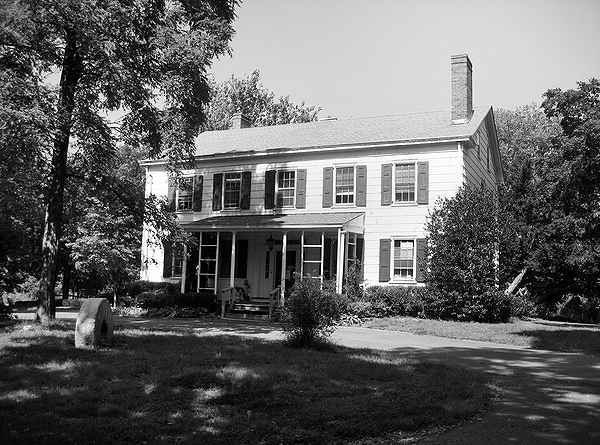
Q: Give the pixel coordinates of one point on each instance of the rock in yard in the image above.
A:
(94, 324)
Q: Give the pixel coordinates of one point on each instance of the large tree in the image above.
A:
(147, 58)
(551, 198)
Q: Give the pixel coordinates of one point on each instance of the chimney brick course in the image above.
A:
(462, 89)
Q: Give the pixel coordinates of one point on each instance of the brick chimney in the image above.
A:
(462, 89)
(239, 121)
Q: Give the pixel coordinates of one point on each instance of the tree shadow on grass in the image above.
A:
(547, 397)
(575, 340)
(174, 387)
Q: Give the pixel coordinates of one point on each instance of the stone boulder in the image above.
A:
(94, 325)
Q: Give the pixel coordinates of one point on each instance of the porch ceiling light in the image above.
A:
(270, 242)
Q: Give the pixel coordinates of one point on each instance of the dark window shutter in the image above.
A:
(171, 191)
(384, 259)
(270, 177)
(246, 186)
(361, 185)
(386, 184)
(301, 189)
(423, 183)
(421, 253)
(217, 191)
(328, 187)
(197, 196)
(167, 259)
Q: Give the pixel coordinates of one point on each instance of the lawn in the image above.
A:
(537, 334)
(155, 387)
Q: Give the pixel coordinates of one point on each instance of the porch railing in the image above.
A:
(227, 299)
(274, 299)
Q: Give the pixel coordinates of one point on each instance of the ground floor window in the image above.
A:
(177, 261)
(404, 260)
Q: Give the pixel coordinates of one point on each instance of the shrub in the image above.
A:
(151, 300)
(521, 305)
(310, 313)
(389, 301)
(5, 308)
(136, 288)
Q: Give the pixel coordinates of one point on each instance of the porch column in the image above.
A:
(339, 274)
(199, 262)
(184, 268)
(232, 268)
(283, 266)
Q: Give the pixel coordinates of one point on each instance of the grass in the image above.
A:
(167, 387)
(537, 334)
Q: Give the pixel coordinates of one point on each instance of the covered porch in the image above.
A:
(255, 259)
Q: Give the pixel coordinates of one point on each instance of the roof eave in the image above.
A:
(320, 148)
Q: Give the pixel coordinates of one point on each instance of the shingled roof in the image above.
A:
(402, 128)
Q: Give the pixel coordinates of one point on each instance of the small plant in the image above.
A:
(310, 314)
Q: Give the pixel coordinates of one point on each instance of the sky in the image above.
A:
(358, 58)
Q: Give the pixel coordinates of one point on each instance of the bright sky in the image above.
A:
(357, 58)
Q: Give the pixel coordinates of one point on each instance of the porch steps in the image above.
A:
(247, 316)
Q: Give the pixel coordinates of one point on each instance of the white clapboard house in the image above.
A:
(266, 202)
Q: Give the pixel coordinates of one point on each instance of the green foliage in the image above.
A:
(153, 300)
(135, 288)
(492, 306)
(551, 197)
(146, 59)
(389, 301)
(248, 96)
(310, 313)
(463, 241)
(353, 282)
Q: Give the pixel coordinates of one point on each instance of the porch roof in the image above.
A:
(351, 221)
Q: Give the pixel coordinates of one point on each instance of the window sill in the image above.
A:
(411, 281)
(405, 204)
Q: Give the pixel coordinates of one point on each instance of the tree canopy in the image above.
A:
(247, 95)
(551, 198)
(147, 58)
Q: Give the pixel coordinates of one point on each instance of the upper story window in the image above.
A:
(344, 185)
(286, 188)
(404, 183)
(232, 190)
(185, 192)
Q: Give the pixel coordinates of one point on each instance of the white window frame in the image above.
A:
(239, 191)
(184, 199)
(351, 194)
(400, 279)
(293, 188)
(414, 191)
(177, 260)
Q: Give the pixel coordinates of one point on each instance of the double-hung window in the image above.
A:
(177, 261)
(286, 188)
(185, 194)
(232, 190)
(404, 260)
(344, 185)
(404, 175)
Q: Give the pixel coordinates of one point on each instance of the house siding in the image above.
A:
(445, 168)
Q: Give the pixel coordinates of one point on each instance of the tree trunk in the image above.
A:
(515, 283)
(71, 70)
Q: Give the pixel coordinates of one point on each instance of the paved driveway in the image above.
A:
(547, 397)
